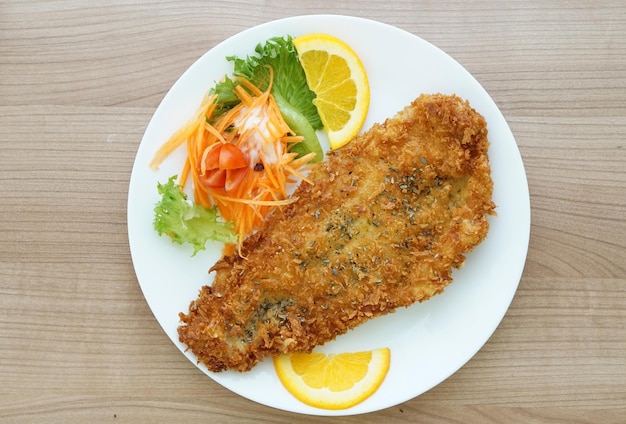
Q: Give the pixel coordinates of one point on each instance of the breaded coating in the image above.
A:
(383, 224)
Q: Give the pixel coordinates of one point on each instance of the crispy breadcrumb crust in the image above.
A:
(382, 226)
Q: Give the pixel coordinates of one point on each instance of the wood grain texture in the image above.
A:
(79, 83)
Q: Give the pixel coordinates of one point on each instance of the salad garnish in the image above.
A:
(252, 135)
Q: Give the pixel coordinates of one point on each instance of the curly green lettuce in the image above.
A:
(186, 222)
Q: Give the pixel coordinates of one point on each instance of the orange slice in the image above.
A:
(337, 381)
(337, 76)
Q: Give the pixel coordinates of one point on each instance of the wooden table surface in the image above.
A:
(78, 84)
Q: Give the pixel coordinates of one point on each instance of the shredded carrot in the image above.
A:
(257, 129)
(178, 138)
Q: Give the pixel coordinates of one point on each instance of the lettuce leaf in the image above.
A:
(186, 222)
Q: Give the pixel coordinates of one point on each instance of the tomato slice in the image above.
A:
(231, 157)
(214, 178)
(212, 160)
(234, 177)
(226, 166)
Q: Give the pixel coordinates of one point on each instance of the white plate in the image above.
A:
(428, 341)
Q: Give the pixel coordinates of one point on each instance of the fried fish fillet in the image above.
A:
(382, 225)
